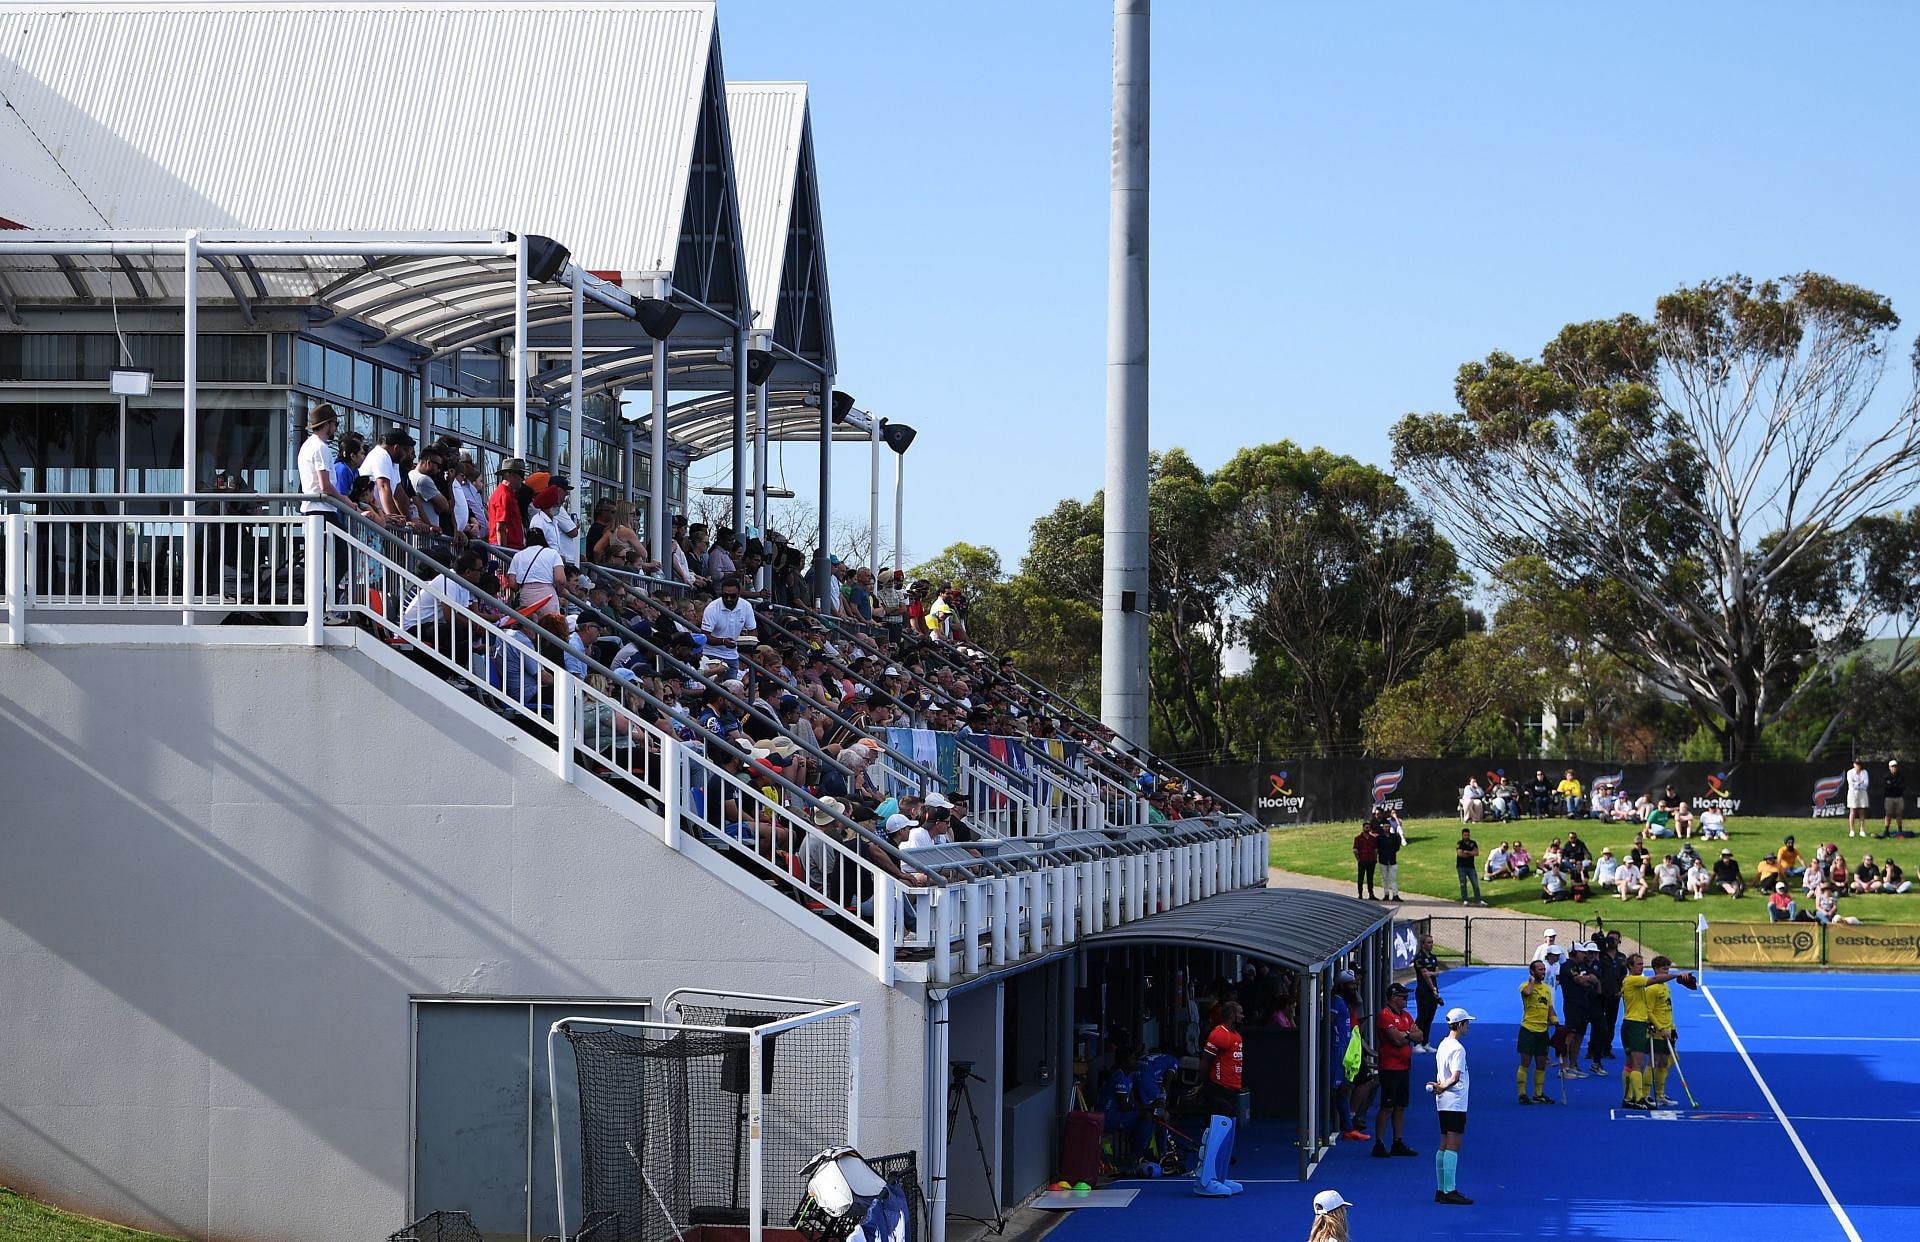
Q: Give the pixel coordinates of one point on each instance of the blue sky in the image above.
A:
(1348, 202)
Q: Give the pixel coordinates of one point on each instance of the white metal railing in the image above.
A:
(1026, 897)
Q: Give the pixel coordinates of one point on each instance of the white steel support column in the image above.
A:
(566, 723)
(577, 391)
(1123, 605)
(756, 1116)
(316, 584)
(822, 584)
(972, 925)
(873, 499)
(740, 446)
(899, 506)
(517, 359)
(659, 530)
(189, 413)
(16, 535)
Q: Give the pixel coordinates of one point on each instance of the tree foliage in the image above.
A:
(1701, 485)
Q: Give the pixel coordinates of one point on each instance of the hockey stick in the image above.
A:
(1673, 1054)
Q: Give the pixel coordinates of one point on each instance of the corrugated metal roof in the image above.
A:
(1296, 927)
(205, 115)
(767, 120)
(36, 190)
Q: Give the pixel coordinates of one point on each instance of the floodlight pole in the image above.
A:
(1123, 630)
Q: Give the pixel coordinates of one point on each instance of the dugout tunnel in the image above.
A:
(1144, 981)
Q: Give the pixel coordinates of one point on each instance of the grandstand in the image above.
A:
(319, 829)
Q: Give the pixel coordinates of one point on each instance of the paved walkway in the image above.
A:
(1495, 936)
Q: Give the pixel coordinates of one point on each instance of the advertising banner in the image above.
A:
(1304, 791)
(1763, 944)
(1887, 944)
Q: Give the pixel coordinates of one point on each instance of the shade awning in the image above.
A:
(1295, 927)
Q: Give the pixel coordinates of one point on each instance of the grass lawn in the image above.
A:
(1426, 867)
(23, 1220)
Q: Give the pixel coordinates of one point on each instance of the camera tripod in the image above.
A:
(958, 1094)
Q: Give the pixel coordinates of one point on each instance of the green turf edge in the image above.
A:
(26, 1220)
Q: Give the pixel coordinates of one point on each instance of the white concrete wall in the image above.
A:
(227, 869)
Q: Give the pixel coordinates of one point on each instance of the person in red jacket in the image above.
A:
(1365, 853)
(506, 528)
(1397, 1036)
(1221, 1064)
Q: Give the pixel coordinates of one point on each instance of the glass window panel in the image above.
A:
(390, 390)
(339, 373)
(363, 381)
(309, 364)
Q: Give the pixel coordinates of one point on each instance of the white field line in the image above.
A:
(1806, 1157)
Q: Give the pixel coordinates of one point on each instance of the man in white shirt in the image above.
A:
(917, 836)
(725, 622)
(316, 461)
(546, 504)
(563, 522)
(1449, 1089)
(431, 614)
(383, 468)
(1551, 942)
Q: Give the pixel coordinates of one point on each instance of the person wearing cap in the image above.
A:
(1536, 1017)
(1780, 906)
(908, 833)
(726, 621)
(1551, 941)
(540, 517)
(382, 465)
(505, 525)
(1727, 875)
(1395, 1034)
(1893, 794)
(316, 462)
(1449, 1090)
(1329, 1217)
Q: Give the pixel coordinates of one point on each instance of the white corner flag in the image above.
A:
(1703, 924)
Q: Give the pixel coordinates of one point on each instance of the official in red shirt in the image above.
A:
(1221, 1063)
(1397, 1036)
(506, 528)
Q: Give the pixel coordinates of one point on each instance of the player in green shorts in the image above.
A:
(1637, 1024)
(1536, 1016)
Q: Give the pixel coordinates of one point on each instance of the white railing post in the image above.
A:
(1096, 897)
(883, 896)
(1116, 891)
(672, 770)
(756, 1110)
(16, 535)
(971, 927)
(317, 582)
(566, 716)
(941, 918)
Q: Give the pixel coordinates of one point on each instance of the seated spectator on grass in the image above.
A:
(1780, 907)
(1727, 877)
(1667, 877)
(1698, 879)
(1866, 877)
(1496, 865)
(1553, 883)
(1713, 824)
(1892, 879)
(1790, 861)
(1826, 904)
(1519, 862)
(1630, 881)
(1683, 819)
(1604, 799)
(1659, 826)
(1569, 790)
(1838, 873)
(1606, 869)
(1768, 873)
(1473, 802)
(1575, 850)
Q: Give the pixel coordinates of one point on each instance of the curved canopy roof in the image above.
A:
(705, 424)
(1296, 927)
